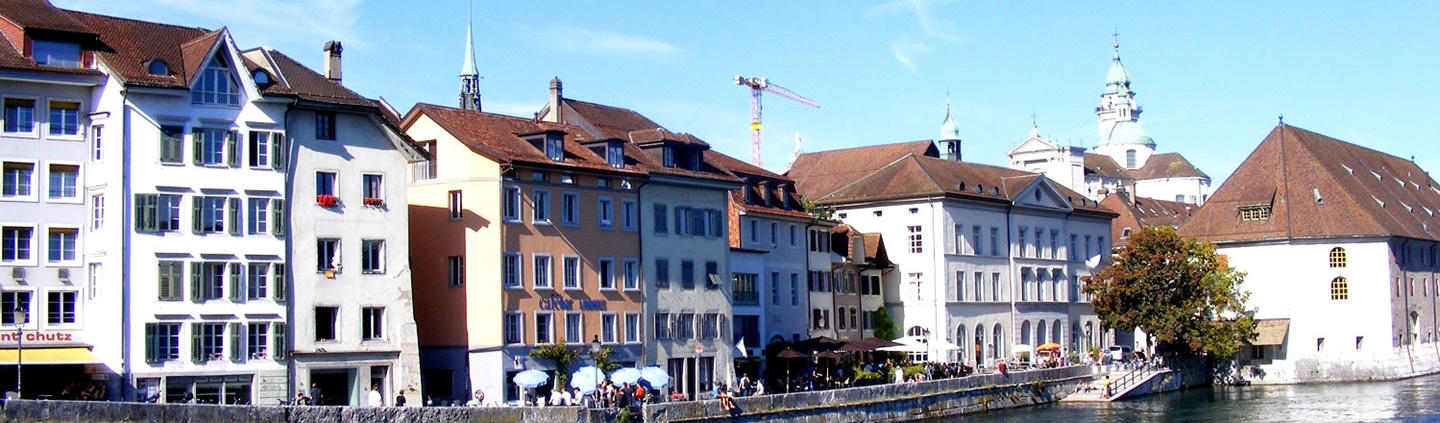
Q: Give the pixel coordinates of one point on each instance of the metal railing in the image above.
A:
(1128, 380)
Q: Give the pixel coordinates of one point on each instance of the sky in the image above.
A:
(1213, 77)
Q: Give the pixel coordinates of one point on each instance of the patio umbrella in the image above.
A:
(625, 375)
(856, 346)
(530, 378)
(1047, 346)
(828, 354)
(656, 376)
(586, 378)
(878, 342)
(789, 353)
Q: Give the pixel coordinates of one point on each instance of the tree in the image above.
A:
(1177, 290)
(562, 355)
(884, 327)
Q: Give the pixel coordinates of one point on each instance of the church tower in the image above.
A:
(949, 136)
(1121, 136)
(469, 76)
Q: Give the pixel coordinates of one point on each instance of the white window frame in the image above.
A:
(97, 211)
(372, 187)
(258, 149)
(455, 204)
(74, 251)
(605, 212)
(97, 145)
(570, 208)
(257, 221)
(540, 207)
(518, 318)
(629, 214)
(334, 245)
(511, 205)
(209, 91)
(212, 150)
(372, 256)
(455, 271)
(31, 255)
(75, 187)
(609, 328)
(50, 125)
(549, 327)
(545, 274)
(575, 273)
(76, 319)
(603, 281)
(512, 271)
(34, 131)
(578, 326)
(633, 333)
(372, 327)
(257, 280)
(630, 274)
(32, 192)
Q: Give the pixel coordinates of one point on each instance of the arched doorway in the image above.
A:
(997, 342)
(960, 337)
(1025, 333)
(979, 345)
(1039, 334)
(1055, 333)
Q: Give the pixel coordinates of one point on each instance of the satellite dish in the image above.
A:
(1093, 262)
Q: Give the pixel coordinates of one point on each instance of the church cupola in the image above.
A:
(1118, 113)
(949, 143)
(469, 75)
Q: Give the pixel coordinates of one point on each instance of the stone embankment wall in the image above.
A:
(78, 411)
(1183, 374)
(890, 402)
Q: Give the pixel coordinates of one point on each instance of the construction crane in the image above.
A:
(757, 86)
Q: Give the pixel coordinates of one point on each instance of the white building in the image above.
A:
(1124, 157)
(985, 257)
(1339, 245)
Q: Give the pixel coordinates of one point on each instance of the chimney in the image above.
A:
(857, 248)
(332, 60)
(557, 92)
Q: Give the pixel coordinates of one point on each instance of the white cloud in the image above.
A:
(606, 43)
(905, 51)
(932, 27)
(253, 22)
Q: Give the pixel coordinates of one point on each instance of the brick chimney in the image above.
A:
(332, 60)
(557, 93)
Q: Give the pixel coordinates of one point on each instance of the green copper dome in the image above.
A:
(1127, 132)
(948, 129)
(1117, 80)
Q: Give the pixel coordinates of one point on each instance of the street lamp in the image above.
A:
(595, 350)
(20, 315)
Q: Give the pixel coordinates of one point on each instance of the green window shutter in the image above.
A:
(232, 148)
(165, 275)
(196, 204)
(140, 212)
(236, 350)
(197, 139)
(151, 343)
(234, 210)
(197, 274)
(281, 347)
(237, 283)
(197, 354)
(277, 222)
(150, 213)
(281, 293)
(278, 150)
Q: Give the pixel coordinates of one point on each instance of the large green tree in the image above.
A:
(1177, 290)
(883, 327)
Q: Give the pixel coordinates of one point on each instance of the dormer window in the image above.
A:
(261, 77)
(1249, 213)
(554, 147)
(668, 156)
(217, 84)
(157, 67)
(615, 154)
(55, 53)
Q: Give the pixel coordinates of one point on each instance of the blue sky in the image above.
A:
(1212, 76)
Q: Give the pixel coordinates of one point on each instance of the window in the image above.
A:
(17, 241)
(662, 273)
(162, 342)
(995, 286)
(18, 177)
(709, 326)
(687, 274)
(97, 211)
(257, 281)
(210, 214)
(712, 275)
(542, 207)
(372, 323)
(794, 236)
(278, 273)
(217, 84)
(615, 154)
(1022, 249)
(570, 208)
(325, 320)
(258, 154)
(1130, 162)
(574, 329)
(632, 328)
(609, 328)
(211, 144)
(324, 126)
(172, 147)
(374, 189)
(662, 325)
(754, 231)
(1339, 289)
(667, 156)
(325, 184)
(171, 282)
(959, 286)
(606, 273)
(606, 212)
(743, 289)
(257, 222)
(1054, 245)
(456, 266)
(511, 271)
(794, 289)
(840, 318)
(554, 147)
(19, 116)
(60, 307)
(456, 206)
(55, 53)
(208, 341)
(514, 327)
(684, 326)
(1337, 257)
(539, 176)
(630, 271)
(97, 150)
(995, 241)
(64, 118)
(660, 215)
(1251, 213)
(628, 220)
(327, 255)
(15, 300)
(544, 328)
(774, 233)
(511, 209)
(572, 272)
(979, 285)
(775, 288)
(257, 345)
(916, 243)
(543, 270)
(207, 281)
(372, 256)
(61, 245)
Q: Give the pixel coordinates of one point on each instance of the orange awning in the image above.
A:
(69, 355)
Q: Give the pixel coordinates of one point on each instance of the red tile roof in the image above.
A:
(41, 15)
(1167, 165)
(310, 85)
(1316, 186)
(498, 137)
(608, 122)
(136, 43)
(1144, 212)
(820, 173)
(1105, 167)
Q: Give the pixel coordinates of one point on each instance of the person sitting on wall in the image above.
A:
(727, 403)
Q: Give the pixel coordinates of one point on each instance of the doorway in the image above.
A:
(337, 386)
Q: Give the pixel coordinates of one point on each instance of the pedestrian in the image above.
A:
(400, 399)
(316, 396)
(375, 399)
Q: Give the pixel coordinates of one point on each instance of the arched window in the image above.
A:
(915, 331)
(1130, 159)
(997, 342)
(157, 67)
(960, 338)
(840, 318)
(979, 344)
(1025, 332)
(1339, 289)
(1337, 257)
(1040, 333)
(1055, 333)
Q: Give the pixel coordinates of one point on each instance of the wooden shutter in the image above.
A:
(166, 273)
(140, 212)
(234, 215)
(196, 353)
(232, 148)
(281, 348)
(278, 274)
(237, 350)
(197, 274)
(237, 283)
(277, 213)
(278, 150)
(197, 141)
(196, 205)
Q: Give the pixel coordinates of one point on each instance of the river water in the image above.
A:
(1416, 400)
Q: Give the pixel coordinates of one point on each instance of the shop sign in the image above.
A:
(39, 338)
(559, 303)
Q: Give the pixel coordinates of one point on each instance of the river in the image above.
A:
(1416, 399)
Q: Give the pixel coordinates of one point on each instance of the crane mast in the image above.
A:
(758, 86)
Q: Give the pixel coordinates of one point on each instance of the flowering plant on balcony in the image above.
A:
(374, 201)
(326, 200)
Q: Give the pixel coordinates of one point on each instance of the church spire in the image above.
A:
(949, 135)
(1118, 113)
(469, 76)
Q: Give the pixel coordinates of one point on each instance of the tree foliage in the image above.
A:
(884, 327)
(562, 355)
(1178, 291)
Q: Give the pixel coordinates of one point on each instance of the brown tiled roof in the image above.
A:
(310, 85)
(1167, 165)
(1104, 166)
(1320, 187)
(135, 43)
(41, 15)
(1144, 212)
(741, 168)
(498, 138)
(610, 121)
(820, 173)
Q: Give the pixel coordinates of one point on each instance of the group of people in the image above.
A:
(316, 396)
(85, 390)
(606, 395)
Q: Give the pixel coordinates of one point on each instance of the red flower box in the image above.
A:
(326, 200)
(374, 201)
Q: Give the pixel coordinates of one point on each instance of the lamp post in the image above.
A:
(20, 315)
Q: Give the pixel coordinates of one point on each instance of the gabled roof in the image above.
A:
(1144, 212)
(1167, 165)
(820, 173)
(1104, 166)
(875, 254)
(40, 15)
(608, 122)
(1316, 186)
(310, 85)
(136, 43)
(757, 193)
(498, 137)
